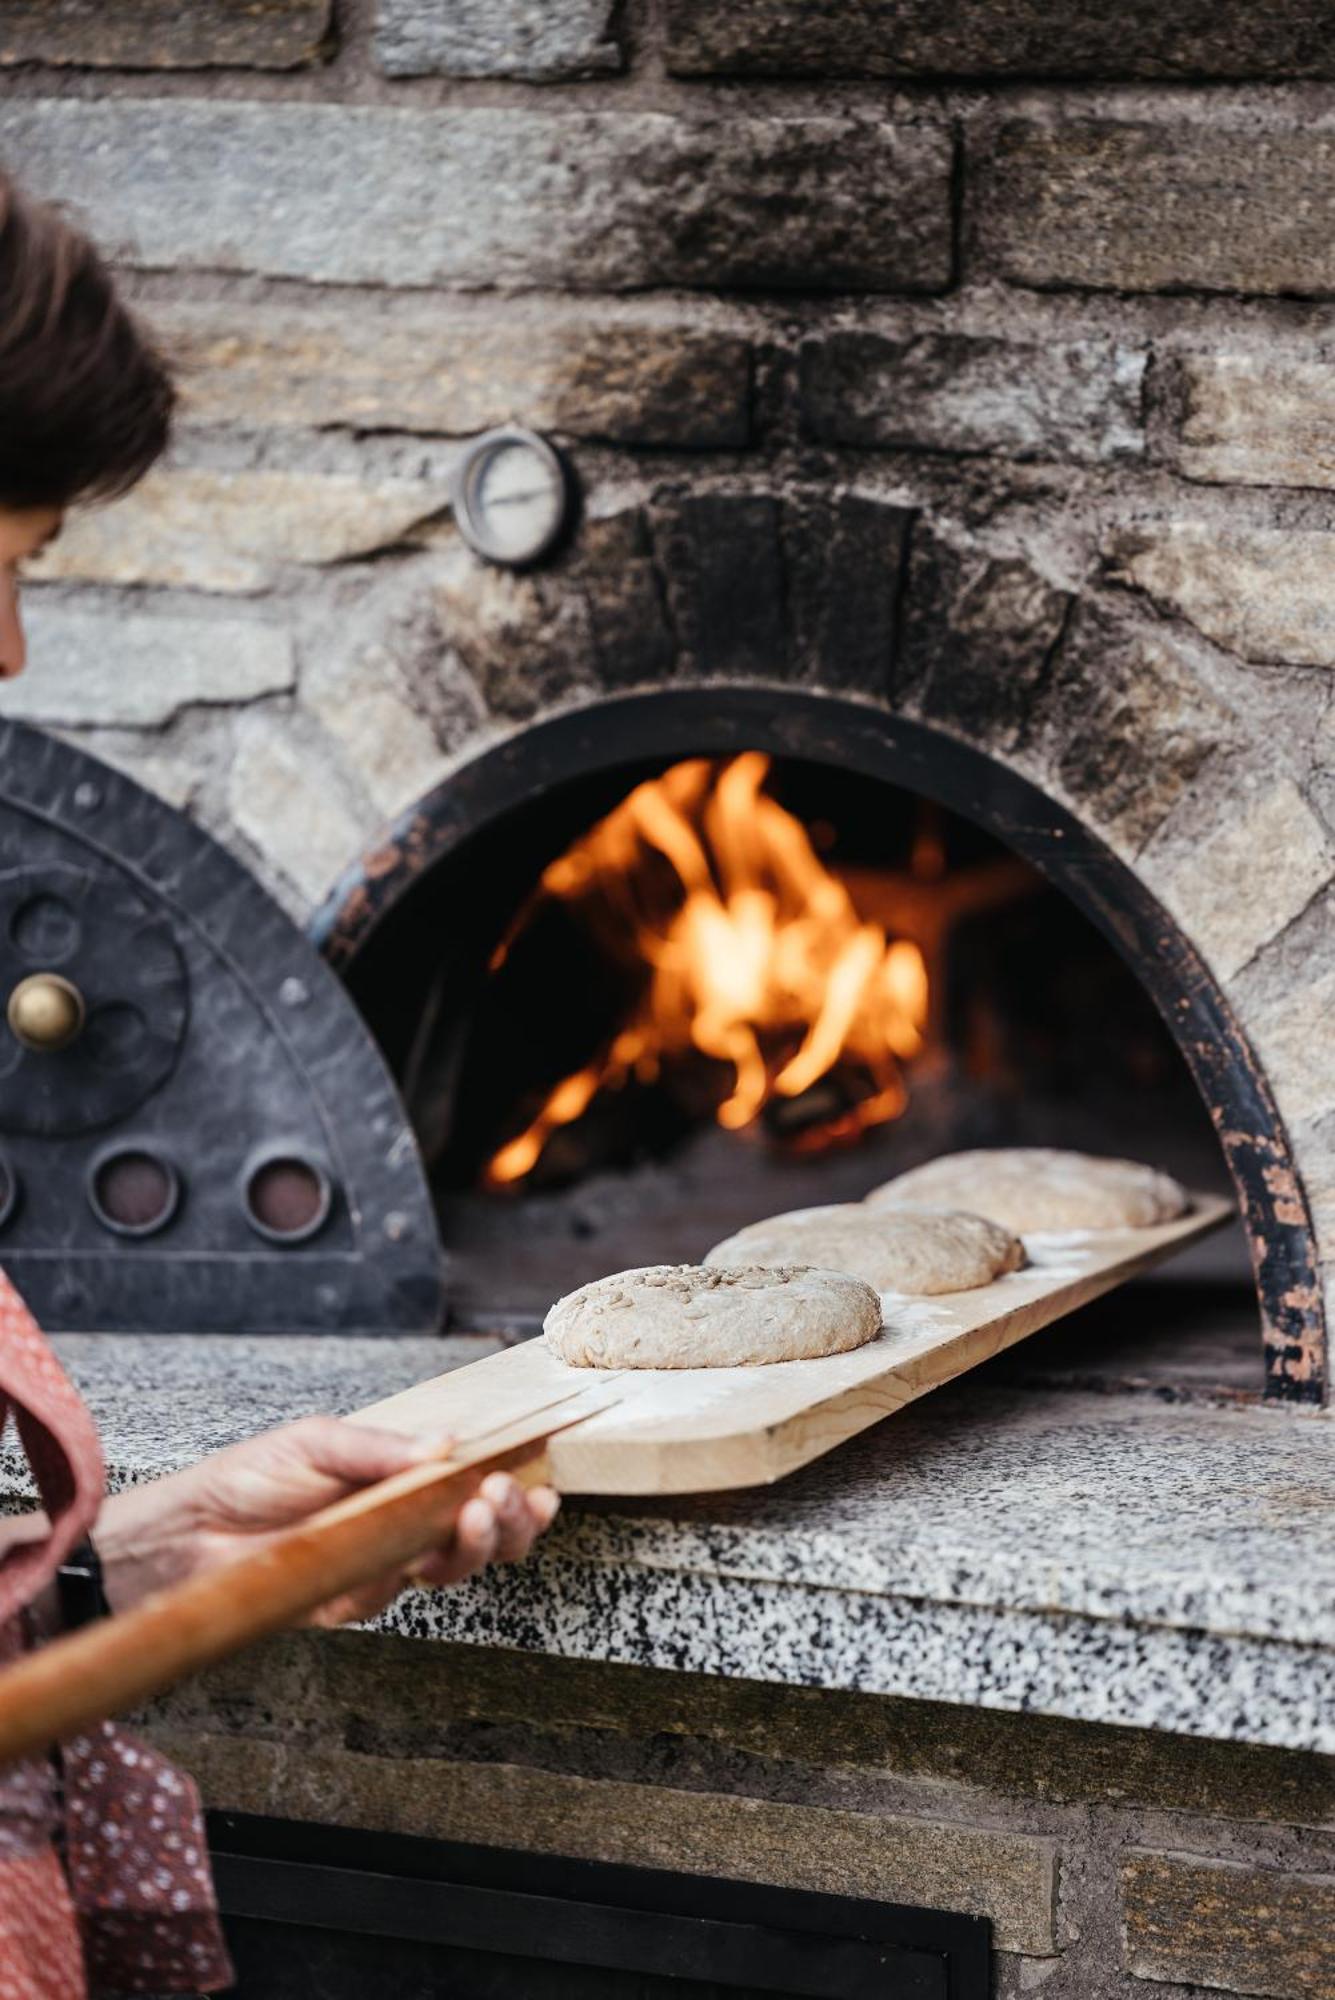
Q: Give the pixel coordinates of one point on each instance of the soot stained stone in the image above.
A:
(978, 635)
(996, 38)
(524, 642)
(843, 557)
(741, 585)
(453, 368)
(723, 562)
(628, 618)
(500, 198)
(596, 618)
(962, 393)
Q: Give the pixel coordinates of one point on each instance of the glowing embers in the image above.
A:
(745, 950)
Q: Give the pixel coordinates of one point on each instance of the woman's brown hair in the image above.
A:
(85, 398)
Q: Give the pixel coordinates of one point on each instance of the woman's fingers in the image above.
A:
(544, 1504)
(517, 1519)
(158, 1534)
(472, 1546)
(359, 1454)
(499, 1524)
(367, 1602)
(476, 1536)
(520, 1516)
(509, 1503)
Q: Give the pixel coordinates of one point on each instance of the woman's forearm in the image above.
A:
(19, 1531)
(154, 1535)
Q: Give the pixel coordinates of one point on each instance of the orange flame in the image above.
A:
(750, 944)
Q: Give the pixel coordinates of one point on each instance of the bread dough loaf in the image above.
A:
(918, 1251)
(1038, 1187)
(682, 1316)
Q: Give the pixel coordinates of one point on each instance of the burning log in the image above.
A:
(748, 950)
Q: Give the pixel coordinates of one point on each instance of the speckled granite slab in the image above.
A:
(1114, 1557)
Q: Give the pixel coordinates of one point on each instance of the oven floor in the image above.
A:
(510, 1257)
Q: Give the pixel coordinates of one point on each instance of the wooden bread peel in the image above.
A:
(522, 1411)
(106, 1668)
(703, 1430)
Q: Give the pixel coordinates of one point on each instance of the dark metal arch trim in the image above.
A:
(837, 730)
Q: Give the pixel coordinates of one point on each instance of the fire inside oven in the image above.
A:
(681, 997)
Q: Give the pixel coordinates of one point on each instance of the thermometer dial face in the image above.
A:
(512, 497)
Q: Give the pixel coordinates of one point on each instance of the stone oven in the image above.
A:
(416, 922)
(948, 401)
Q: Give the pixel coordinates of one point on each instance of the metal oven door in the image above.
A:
(197, 1131)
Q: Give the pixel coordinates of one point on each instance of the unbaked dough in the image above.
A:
(682, 1316)
(1039, 1187)
(918, 1251)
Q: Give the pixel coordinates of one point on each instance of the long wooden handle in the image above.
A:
(105, 1668)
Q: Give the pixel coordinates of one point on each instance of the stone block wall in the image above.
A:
(1105, 1858)
(975, 358)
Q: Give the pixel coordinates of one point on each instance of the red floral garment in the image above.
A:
(137, 1913)
(40, 1952)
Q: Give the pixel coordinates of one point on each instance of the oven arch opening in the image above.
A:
(539, 789)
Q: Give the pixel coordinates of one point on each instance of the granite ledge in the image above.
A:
(1103, 1557)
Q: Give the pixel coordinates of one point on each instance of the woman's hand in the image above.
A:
(232, 1503)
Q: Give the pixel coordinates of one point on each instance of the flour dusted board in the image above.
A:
(697, 1430)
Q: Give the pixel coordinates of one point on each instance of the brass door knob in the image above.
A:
(45, 1012)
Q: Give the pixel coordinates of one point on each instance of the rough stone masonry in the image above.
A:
(988, 342)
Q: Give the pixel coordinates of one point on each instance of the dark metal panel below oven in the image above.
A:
(342, 1912)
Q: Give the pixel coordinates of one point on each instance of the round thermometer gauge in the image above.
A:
(512, 497)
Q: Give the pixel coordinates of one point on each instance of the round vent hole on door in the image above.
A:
(45, 929)
(134, 1192)
(287, 1198)
(116, 1035)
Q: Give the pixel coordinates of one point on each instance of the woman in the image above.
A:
(124, 1900)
